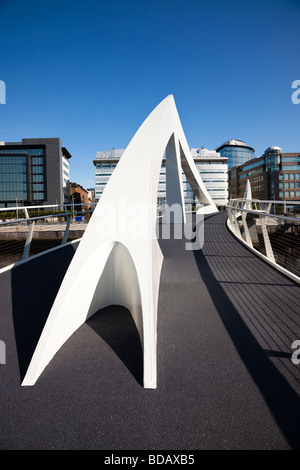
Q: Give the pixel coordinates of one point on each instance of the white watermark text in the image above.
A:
(296, 354)
(2, 92)
(2, 352)
(296, 94)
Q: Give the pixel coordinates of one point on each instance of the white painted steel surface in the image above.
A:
(118, 261)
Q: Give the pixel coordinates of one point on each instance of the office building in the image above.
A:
(105, 163)
(34, 172)
(211, 166)
(236, 151)
(213, 169)
(273, 176)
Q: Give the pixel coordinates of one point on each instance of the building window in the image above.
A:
(290, 167)
(286, 176)
(287, 185)
(292, 193)
(38, 187)
(37, 178)
(37, 160)
(291, 159)
(37, 169)
(292, 185)
(281, 185)
(298, 193)
(13, 178)
(281, 176)
(287, 194)
(281, 194)
(38, 196)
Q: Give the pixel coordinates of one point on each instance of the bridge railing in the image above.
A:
(29, 230)
(271, 229)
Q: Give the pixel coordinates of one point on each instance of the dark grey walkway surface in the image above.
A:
(226, 323)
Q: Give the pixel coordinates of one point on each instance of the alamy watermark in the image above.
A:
(132, 221)
(2, 92)
(296, 354)
(2, 352)
(296, 94)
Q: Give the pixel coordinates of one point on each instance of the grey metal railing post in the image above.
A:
(65, 237)
(30, 225)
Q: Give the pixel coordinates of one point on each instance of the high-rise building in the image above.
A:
(105, 163)
(211, 166)
(237, 152)
(34, 172)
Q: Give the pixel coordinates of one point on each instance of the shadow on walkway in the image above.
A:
(115, 325)
(34, 286)
(282, 400)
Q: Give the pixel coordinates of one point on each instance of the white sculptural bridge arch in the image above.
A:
(110, 265)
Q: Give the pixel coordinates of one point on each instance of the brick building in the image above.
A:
(79, 195)
(273, 176)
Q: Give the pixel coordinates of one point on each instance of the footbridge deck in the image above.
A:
(226, 324)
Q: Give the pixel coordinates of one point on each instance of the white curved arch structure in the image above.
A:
(117, 263)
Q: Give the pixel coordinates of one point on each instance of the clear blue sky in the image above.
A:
(90, 72)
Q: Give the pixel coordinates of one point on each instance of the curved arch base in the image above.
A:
(112, 265)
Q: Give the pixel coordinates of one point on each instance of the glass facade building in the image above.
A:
(33, 172)
(236, 151)
(13, 178)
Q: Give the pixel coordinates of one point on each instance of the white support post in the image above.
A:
(268, 246)
(236, 224)
(246, 229)
(230, 217)
(268, 207)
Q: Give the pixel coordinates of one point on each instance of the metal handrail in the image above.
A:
(20, 248)
(46, 216)
(19, 208)
(264, 201)
(259, 239)
(256, 212)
